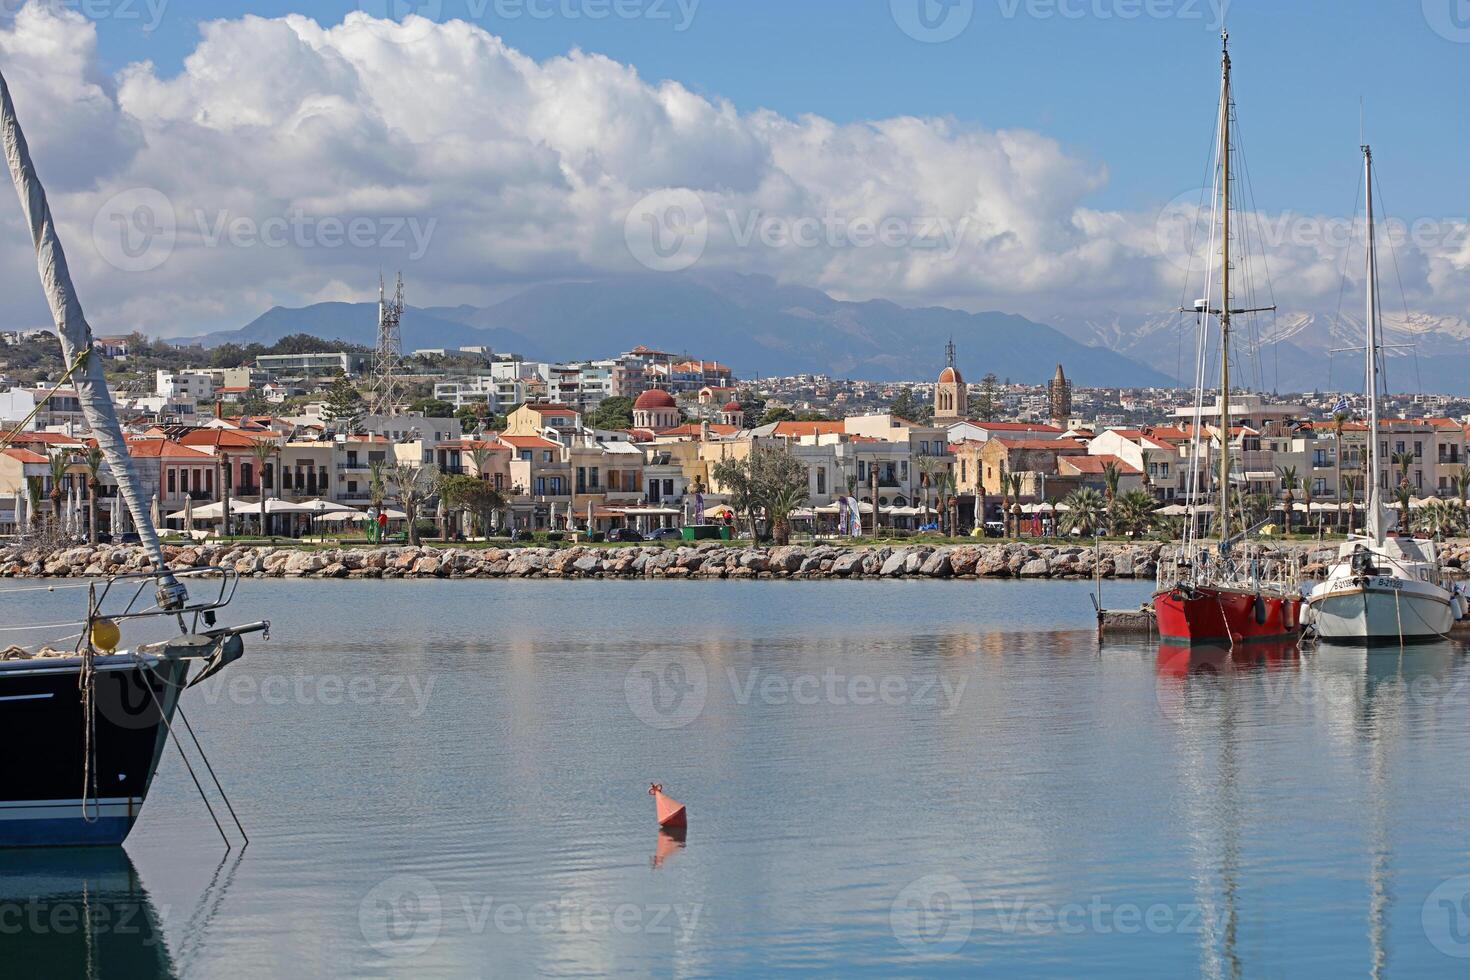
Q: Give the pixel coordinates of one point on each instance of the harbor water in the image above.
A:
(450, 778)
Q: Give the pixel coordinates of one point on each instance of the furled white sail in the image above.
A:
(76, 338)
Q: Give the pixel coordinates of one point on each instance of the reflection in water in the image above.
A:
(79, 913)
(671, 841)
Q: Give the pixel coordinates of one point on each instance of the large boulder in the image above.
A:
(937, 565)
(1035, 568)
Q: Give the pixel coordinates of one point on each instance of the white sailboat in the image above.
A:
(1381, 588)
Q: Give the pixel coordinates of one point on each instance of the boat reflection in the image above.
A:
(79, 913)
(671, 840)
(1184, 661)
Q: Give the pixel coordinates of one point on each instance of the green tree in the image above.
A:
(770, 480)
(774, 415)
(1289, 484)
(1084, 513)
(478, 497)
(1349, 494)
(1133, 512)
(94, 487)
(611, 413)
(344, 406)
(1439, 518)
(988, 404)
(413, 484)
(58, 463)
(906, 406)
(433, 408)
(1403, 461)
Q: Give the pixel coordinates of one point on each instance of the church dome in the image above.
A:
(950, 376)
(732, 406)
(654, 399)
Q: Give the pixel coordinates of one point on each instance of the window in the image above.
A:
(546, 455)
(592, 477)
(172, 482)
(821, 479)
(525, 455)
(541, 486)
(1418, 450)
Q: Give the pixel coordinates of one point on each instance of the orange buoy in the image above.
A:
(670, 811)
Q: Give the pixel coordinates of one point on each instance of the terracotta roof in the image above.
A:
(529, 442)
(163, 448)
(693, 429)
(950, 376)
(548, 408)
(798, 429)
(732, 406)
(25, 456)
(1046, 444)
(220, 439)
(1096, 464)
(655, 398)
(1014, 426)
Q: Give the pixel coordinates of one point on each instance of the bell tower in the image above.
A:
(951, 398)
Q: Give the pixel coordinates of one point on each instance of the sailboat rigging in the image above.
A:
(1223, 593)
(1381, 588)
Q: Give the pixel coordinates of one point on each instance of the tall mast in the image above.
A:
(1224, 499)
(1375, 504)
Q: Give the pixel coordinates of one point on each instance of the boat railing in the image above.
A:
(221, 585)
(1248, 569)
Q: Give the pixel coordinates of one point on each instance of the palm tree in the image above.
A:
(1111, 475)
(35, 490)
(94, 487)
(945, 501)
(1439, 518)
(1402, 495)
(263, 450)
(1289, 483)
(1017, 483)
(930, 467)
(1349, 494)
(1403, 461)
(1005, 501)
(1085, 509)
(1133, 512)
(1462, 486)
(222, 490)
(58, 461)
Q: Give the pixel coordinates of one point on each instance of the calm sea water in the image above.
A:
(450, 779)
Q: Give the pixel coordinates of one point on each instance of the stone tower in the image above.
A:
(1061, 397)
(951, 399)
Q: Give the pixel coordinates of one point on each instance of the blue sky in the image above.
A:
(1132, 92)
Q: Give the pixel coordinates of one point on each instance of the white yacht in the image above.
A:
(1381, 588)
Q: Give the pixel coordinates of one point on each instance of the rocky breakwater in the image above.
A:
(707, 561)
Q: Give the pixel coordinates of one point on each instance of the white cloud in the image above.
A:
(290, 153)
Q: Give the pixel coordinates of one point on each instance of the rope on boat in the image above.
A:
(223, 795)
(163, 715)
(87, 682)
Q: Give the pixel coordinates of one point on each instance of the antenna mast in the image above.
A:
(388, 358)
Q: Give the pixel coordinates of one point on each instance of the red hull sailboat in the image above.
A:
(1220, 592)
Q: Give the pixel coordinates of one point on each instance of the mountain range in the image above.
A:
(1298, 351)
(751, 323)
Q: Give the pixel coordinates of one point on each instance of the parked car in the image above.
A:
(995, 529)
(624, 534)
(665, 534)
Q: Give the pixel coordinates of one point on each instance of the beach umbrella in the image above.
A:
(589, 515)
(189, 515)
(153, 509)
(21, 516)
